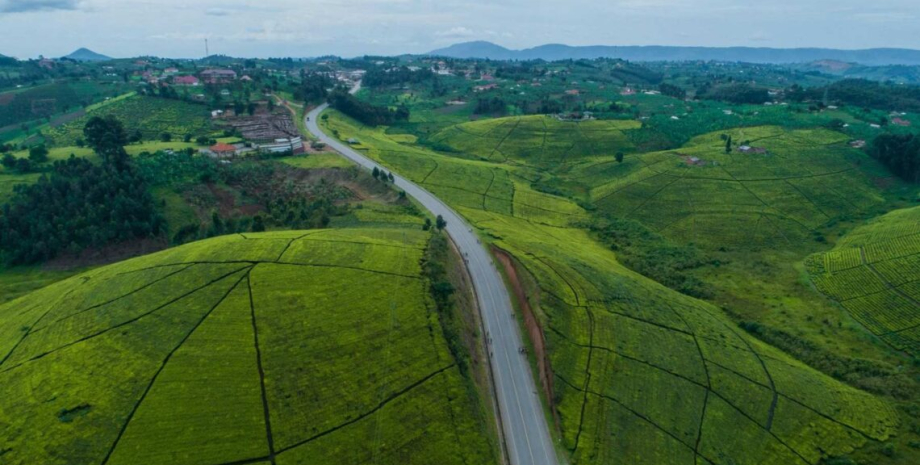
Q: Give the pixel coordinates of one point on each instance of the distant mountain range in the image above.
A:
(85, 54)
(552, 52)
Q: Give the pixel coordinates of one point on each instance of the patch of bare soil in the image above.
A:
(104, 256)
(534, 331)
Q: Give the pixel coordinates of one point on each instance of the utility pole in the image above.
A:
(207, 53)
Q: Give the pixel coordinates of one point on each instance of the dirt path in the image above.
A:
(533, 329)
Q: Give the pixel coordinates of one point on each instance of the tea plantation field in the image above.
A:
(643, 374)
(874, 272)
(150, 115)
(294, 347)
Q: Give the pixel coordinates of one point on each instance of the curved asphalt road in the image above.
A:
(525, 429)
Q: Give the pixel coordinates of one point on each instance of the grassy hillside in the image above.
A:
(318, 346)
(642, 374)
(874, 272)
(150, 115)
(539, 141)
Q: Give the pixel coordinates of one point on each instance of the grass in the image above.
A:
(318, 160)
(238, 348)
(705, 390)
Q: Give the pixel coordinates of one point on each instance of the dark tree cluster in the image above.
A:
(739, 93)
(313, 87)
(860, 93)
(900, 153)
(79, 205)
(635, 74)
(672, 91)
(366, 113)
(491, 106)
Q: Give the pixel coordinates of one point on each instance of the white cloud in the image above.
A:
(457, 32)
(21, 6)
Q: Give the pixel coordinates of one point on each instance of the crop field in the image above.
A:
(240, 349)
(802, 180)
(539, 141)
(704, 391)
(874, 272)
(679, 399)
(152, 116)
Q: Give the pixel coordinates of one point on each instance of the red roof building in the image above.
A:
(185, 81)
(223, 150)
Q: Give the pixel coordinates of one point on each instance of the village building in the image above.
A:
(222, 150)
(218, 76)
(185, 81)
(293, 145)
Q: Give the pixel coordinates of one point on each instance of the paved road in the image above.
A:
(526, 432)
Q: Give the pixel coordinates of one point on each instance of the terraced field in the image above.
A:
(642, 374)
(784, 188)
(539, 141)
(874, 272)
(287, 347)
(150, 115)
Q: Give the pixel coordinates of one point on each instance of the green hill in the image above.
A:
(873, 273)
(151, 116)
(317, 346)
(641, 373)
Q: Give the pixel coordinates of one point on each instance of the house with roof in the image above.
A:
(218, 76)
(185, 81)
(222, 150)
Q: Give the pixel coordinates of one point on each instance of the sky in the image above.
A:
(307, 28)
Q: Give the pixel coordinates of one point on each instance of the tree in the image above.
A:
(38, 154)
(8, 161)
(107, 137)
(427, 225)
(257, 224)
(23, 165)
(166, 137)
(187, 138)
(440, 222)
(376, 173)
(136, 137)
(271, 104)
(728, 144)
(390, 176)
(619, 157)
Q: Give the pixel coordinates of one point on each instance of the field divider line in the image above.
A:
(125, 323)
(369, 412)
(50, 308)
(255, 333)
(156, 375)
(93, 307)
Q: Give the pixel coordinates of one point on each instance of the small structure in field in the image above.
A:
(858, 144)
(750, 149)
(900, 122)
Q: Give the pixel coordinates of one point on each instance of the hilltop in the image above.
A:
(85, 54)
(242, 349)
(553, 52)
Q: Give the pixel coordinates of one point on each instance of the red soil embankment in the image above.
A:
(534, 331)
